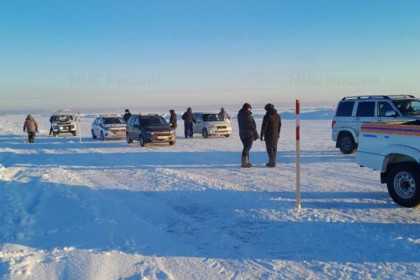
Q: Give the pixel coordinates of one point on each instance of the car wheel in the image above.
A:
(227, 135)
(403, 184)
(205, 133)
(141, 140)
(129, 140)
(93, 134)
(74, 133)
(172, 143)
(55, 134)
(346, 143)
(102, 136)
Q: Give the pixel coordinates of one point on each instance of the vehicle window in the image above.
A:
(211, 117)
(98, 121)
(345, 109)
(152, 120)
(113, 121)
(384, 107)
(131, 120)
(408, 107)
(136, 121)
(365, 109)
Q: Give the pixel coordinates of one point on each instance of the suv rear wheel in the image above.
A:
(403, 184)
(93, 134)
(205, 133)
(129, 140)
(141, 140)
(346, 143)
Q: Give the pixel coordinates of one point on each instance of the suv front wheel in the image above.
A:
(346, 143)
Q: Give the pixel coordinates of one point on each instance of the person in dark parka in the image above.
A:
(270, 132)
(127, 115)
(247, 132)
(188, 118)
(173, 119)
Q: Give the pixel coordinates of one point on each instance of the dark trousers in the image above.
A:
(31, 136)
(271, 146)
(188, 130)
(247, 142)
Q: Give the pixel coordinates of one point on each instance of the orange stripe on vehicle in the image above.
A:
(392, 129)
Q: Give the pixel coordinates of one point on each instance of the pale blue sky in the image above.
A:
(84, 54)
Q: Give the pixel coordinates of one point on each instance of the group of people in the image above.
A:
(270, 129)
(270, 132)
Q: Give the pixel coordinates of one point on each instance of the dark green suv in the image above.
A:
(150, 128)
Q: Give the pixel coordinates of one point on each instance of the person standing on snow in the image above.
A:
(127, 115)
(270, 132)
(247, 132)
(188, 118)
(31, 127)
(173, 119)
(223, 115)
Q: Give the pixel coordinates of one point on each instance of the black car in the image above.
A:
(149, 129)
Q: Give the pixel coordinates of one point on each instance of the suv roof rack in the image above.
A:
(401, 96)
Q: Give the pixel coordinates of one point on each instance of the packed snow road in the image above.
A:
(112, 210)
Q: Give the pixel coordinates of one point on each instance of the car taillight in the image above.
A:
(332, 124)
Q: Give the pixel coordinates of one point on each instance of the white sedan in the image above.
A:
(108, 127)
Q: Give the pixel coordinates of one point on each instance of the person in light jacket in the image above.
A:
(31, 127)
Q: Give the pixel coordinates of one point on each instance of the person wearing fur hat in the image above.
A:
(270, 132)
(31, 127)
(247, 132)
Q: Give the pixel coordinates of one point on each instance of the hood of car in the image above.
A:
(158, 128)
(114, 125)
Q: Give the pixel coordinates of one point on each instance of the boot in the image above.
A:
(245, 162)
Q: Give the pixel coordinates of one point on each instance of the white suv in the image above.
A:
(62, 122)
(208, 124)
(352, 111)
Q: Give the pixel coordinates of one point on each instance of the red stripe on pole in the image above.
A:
(297, 106)
(298, 133)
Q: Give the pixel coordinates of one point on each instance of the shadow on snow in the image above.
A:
(210, 223)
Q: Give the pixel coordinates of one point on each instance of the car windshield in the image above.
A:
(152, 120)
(112, 121)
(62, 118)
(211, 117)
(408, 107)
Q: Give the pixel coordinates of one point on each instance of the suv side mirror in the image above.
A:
(390, 113)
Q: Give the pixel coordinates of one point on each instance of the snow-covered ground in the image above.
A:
(110, 210)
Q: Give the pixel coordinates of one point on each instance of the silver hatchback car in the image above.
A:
(352, 111)
(208, 124)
